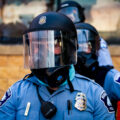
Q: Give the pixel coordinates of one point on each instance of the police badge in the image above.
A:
(80, 103)
(42, 20)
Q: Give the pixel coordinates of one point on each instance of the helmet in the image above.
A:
(73, 10)
(88, 46)
(50, 44)
(88, 35)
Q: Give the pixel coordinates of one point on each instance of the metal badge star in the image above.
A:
(42, 20)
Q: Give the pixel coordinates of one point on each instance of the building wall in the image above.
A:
(12, 70)
(105, 17)
(13, 13)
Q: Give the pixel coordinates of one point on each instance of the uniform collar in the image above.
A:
(78, 82)
(75, 85)
(74, 78)
(61, 89)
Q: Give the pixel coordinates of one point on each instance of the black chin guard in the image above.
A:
(86, 65)
(52, 77)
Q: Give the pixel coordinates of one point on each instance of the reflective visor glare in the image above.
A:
(41, 49)
(83, 41)
(71, 12)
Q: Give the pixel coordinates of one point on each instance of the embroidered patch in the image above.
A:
(42, 20)
(106, 101)
(117, 78)
(80, 103)
(5, 97)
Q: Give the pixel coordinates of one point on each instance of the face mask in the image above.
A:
(86, 64)
(89, 60)
(53, 77)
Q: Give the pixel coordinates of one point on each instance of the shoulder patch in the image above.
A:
(117, 78)
(105, 99)
(6, 96)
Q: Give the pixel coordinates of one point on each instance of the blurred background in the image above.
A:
(16, 15)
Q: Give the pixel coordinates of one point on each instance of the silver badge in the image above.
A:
(42, 20)
(80, 103)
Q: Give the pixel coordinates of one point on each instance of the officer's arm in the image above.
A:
(103, 108)
(8, 104)
(112, 84)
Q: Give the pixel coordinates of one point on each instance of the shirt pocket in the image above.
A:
(77, 115)
(31, 115)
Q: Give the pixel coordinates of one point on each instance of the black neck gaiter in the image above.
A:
(53, 77)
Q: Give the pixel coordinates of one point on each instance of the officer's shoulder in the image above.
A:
(114, 75)
(20, 83)
(111, 73)
(85, 79)
(81, 77)
(82, 82)
(103, 43)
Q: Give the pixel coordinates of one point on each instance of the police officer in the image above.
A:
(53, 90)
(87, 65)
(76, 13)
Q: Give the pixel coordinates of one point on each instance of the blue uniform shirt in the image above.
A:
(112, 84)
(104, 57)
(88, 101)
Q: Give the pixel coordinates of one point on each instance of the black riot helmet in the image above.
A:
(88, 46)
(50, 46)
(73, 10)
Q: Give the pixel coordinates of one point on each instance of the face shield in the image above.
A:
(72, 13)
(46, 49)
(86, 41)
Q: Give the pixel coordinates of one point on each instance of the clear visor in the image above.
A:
(85, 39)
(43, 49)
(71, 12)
